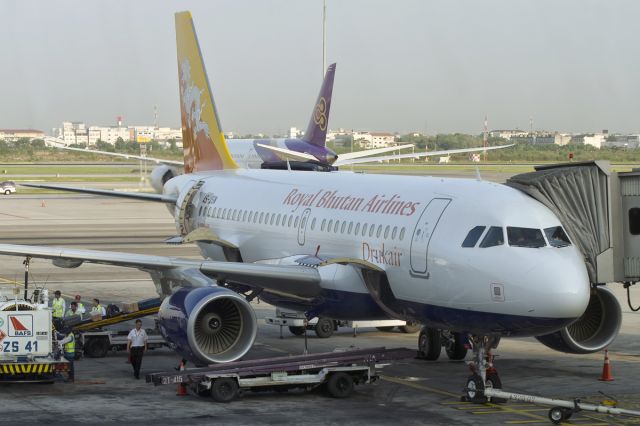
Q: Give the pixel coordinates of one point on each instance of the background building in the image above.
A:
(16, 134)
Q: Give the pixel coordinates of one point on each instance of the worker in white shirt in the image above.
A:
(58, 304)
(97, 308)
(136, 347)
(81, 309)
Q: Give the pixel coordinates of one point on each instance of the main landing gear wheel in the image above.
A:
(474, 391)
(493, 382)
(324, 328)
(410, 327)
(429, 346)
(298, 331)
(455, 347)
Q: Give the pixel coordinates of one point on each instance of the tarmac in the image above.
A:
(410, 392)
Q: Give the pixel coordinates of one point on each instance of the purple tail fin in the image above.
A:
(316, 133)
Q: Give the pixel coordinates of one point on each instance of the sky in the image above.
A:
(402, 66)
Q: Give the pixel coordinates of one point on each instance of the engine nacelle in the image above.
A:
(594, 330)
(160, 175)
(208, 324)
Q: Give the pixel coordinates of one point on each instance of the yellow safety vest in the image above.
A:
(70, 348)
(97, 308)
(58, 311)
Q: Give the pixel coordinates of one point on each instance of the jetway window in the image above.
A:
(525, 237)
(494, 237)
(557, 237)
(473, 236)
(634, 221)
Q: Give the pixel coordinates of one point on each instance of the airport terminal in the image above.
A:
(180, 273)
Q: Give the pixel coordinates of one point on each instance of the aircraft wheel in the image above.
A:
(224, 389)
(455, 347)
(556, 415)
(493, 382)
(298, 331)
(324, 328)
(340, 385)
(410, 327)
(429, 346)
(474, 391)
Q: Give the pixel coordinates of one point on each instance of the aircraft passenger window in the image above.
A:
(386, 232)
(284, 219)
(473, 236)
(357, 231)
(215, 211)
(266, 218)
(335, 228)
(251, 216)
(261, 217)
(278, 219)
(364, 229)
(330, 225)
(379, 231)
(244, 216)
(200, 211)
(224, 214)
(494, 237)
(525, 237)
(273, 219)
(313, 224)
(343, 226)
(350, 227)
(394, 233)
(557, 237)
(372, 229)
(229, 213)
(234, 215)
(322, 225)
(295, 224)
(303, 223)
(289, 223)
(402, 234)
(634, 221)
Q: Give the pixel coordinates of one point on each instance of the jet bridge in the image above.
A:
(600, 210)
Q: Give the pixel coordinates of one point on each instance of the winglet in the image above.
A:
(316, 133)
(204, 145)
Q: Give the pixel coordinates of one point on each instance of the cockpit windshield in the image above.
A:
(557, 237)
(525, 237)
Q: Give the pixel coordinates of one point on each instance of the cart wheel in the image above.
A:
(455, 347)
(224, 389)
(387, 328)
(97, 348)
(298, 331)
(340, 385)
(410, 327)
(429, 346)
(324, 328)
(493, 382)
(474, 390)
(556, 415)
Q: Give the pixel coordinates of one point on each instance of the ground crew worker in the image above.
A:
(68, 344)
(59, 305)
(81, 308)
(73, 310)
(136, 347)
(97, 308)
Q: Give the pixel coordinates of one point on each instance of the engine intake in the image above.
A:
(208, 324)
(593, 331)
(160, 175)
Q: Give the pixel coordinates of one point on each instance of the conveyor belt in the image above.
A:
(116, 319)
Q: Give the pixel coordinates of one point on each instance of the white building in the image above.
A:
(595, 140)
(507, 134)
(371, 140)
(16, 134)
(295, 133)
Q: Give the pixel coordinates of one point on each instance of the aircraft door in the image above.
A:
(422, 235)
(302, 226)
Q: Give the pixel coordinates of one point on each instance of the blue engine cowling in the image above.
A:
(208, 324)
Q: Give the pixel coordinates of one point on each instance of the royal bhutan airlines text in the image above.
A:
(328, 199)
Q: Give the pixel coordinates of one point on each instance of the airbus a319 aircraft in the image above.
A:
(475, 258)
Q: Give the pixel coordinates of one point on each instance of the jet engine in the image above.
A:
(208, 324)
(593, 331)
(160, 175)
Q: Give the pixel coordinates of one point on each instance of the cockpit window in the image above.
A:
(525, 237)
(557, 237)
(494, 237)
(473, 236)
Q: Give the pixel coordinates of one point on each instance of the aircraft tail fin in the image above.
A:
(317, 130)
(204, 144)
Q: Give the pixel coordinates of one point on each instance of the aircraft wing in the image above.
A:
(287, 154)
(117, 154)
(368, 152)
(161, 198)
(301, 281)
(420, 154)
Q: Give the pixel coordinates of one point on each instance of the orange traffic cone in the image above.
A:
(182, 388)
(42, 204)
(606, 369)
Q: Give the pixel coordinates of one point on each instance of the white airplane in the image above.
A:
(477, 259)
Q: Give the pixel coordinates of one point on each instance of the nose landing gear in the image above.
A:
(484, 374)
